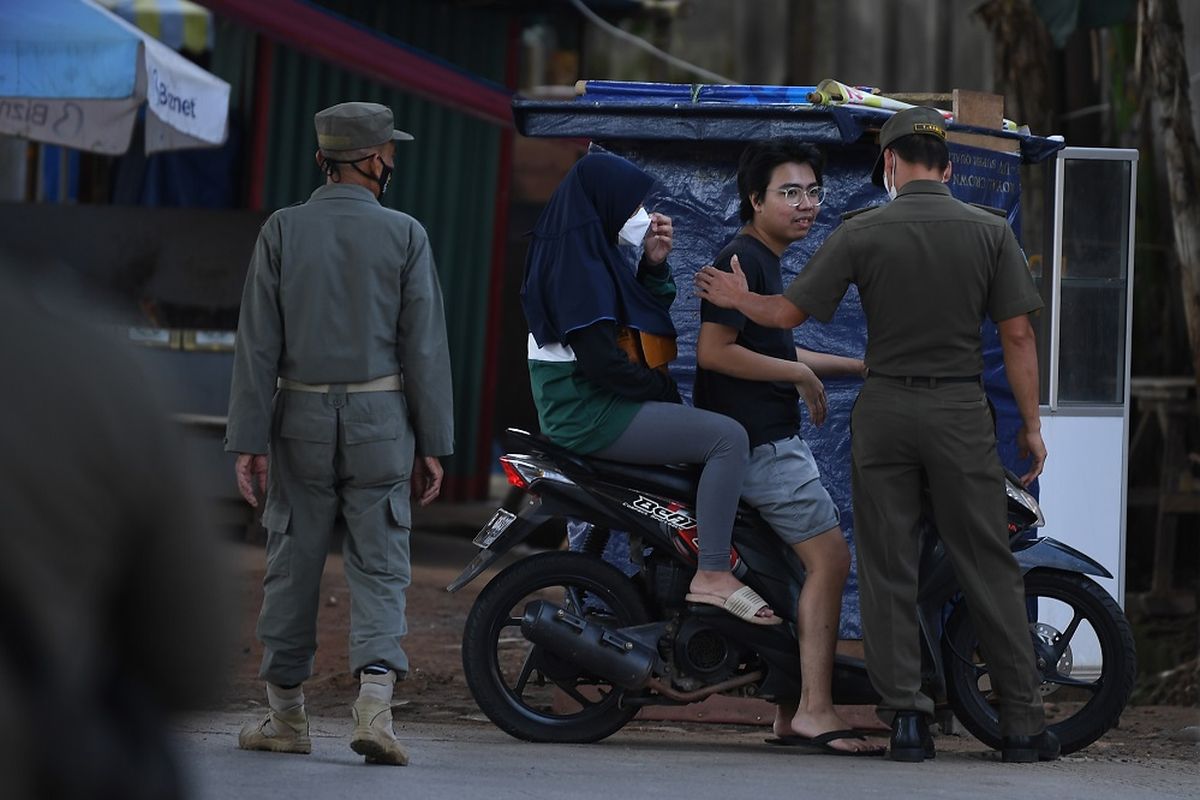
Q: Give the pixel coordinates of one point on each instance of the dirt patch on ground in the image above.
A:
(436, 691)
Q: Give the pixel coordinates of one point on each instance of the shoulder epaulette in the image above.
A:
(851, 214)
(999, 212)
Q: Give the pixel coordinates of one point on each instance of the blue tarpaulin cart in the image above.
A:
(689, 138)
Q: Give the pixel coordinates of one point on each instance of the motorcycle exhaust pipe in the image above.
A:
(588, 645)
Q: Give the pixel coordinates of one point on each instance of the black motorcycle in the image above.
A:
(566, 647)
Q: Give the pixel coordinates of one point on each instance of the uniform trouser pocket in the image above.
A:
(276, 518)
(306, 437)
(377, 443)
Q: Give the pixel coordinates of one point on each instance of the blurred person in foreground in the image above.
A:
(110, 611)
(341, 404)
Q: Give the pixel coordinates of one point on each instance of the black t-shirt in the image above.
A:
(768, 410)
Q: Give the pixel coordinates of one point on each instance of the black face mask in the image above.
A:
(385, 177)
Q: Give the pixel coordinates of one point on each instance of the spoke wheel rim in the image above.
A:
(577, 593)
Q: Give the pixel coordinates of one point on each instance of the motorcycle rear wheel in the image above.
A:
(524, 689)
(1093, 620)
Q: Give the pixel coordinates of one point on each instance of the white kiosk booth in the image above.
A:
(1084, 343)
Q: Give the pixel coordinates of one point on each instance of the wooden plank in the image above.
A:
(983, 110)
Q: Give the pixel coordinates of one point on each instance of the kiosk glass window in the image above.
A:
(1093, 280)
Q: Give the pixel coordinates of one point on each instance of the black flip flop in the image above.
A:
(788, 740)
(796, 740)
(822, 743)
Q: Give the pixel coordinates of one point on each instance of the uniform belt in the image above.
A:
(932, 383)
(388, 383)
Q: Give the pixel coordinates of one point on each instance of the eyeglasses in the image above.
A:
(794, 195)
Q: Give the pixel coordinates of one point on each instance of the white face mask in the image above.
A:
(890, 185)
(634, 229)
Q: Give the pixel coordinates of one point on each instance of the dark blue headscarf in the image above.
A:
(574, 275)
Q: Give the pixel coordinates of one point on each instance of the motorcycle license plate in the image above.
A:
(496, 526)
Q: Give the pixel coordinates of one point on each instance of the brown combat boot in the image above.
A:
(278, 732)
(373, 735)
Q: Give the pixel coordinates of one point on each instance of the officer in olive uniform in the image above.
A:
(342, 379)
(928, 268)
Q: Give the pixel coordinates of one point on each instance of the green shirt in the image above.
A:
(341, 290)
(928, 268)
(574, 412)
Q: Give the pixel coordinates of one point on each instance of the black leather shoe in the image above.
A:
(1043, 746)
(911, 741)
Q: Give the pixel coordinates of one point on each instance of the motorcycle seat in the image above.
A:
(677, 481)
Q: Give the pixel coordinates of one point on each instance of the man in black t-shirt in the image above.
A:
(928, 267)
(757, 376)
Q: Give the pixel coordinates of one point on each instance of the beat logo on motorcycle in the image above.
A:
(674, 517)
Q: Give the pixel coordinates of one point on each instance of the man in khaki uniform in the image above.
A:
(342, 314)
(928, 269)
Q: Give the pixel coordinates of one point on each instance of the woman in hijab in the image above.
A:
(600, 338)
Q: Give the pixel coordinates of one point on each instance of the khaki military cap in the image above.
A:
(353, 126)
(919, 119)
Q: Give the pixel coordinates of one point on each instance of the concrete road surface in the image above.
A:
(469, 760)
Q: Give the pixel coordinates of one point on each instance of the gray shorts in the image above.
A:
(784, 485)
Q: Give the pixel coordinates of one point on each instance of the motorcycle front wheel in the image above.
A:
(524, 689)
(1084, 651)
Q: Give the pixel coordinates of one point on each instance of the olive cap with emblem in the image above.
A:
(918, 119)
(353, 126)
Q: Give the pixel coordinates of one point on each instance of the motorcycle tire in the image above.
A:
(607, 596)
(1109, 693)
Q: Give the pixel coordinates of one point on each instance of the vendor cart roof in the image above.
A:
(701, 112)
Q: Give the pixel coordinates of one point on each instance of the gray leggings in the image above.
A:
(668, 433)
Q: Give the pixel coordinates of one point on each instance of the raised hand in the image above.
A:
(658, 239)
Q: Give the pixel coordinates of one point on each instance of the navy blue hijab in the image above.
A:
(574, 275)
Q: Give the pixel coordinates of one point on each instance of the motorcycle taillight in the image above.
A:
(514, 477)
